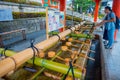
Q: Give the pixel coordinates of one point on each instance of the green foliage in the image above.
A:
(15, 1)
(24, 2)
(84, 4)
(101, 16)
(17, 15)
(77, 19)
(68, 17)
(34, 3)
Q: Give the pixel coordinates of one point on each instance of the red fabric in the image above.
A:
(116, 7)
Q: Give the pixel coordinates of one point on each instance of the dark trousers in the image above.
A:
(105, 35)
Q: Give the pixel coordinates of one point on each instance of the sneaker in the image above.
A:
(108, 47)
(105, 42)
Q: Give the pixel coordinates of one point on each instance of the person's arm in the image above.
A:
(111, 20)
(101, 23)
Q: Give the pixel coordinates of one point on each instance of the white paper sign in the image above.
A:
(55, 20)
(61, 19)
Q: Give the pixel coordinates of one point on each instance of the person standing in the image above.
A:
(109, 23)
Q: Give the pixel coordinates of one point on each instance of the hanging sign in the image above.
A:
(62, 19)
(55, 20)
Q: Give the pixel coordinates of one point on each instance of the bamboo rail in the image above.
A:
(49, 64)
(13, 62)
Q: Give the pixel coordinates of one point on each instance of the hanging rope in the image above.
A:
(34, 49)
(4, 52)
(14, 62)
(70, 68)
(6, 48)
(31, 69)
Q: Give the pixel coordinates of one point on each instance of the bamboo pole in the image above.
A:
(83, 55)
(65, 48)
(40, 71)
(58, 67)
(52, 76)
(82, 36)
(52, 54)
(70, 44)
(86, 52)
(18, 59)
(81, 42)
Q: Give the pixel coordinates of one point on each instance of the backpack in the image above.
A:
(117, 22)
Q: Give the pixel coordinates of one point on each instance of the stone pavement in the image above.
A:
(112, 61)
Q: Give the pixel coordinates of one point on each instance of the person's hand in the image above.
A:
(104, 21)
(95, 27)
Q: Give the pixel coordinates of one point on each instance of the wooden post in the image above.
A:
(23, 34)
(1, 42)
(47, 32)
(64, 20)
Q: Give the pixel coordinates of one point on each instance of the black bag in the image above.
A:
(117, 23)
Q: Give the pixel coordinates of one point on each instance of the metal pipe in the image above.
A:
(58, 67)
(18, 59)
